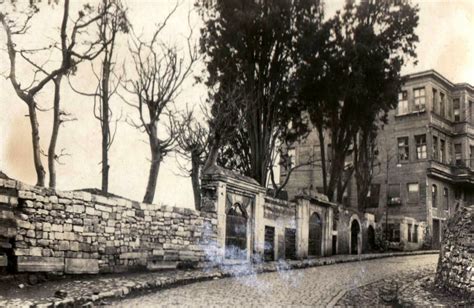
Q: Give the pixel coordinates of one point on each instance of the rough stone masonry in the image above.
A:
(456, 265)
(79, 232)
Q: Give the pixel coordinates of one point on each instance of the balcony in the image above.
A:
(463, 171)
(462, 128)
(458, 172)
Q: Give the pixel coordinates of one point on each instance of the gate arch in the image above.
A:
(355, 231)
(315, 237)
(371, 238)
(236, 232)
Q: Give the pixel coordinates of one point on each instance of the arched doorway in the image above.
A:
(236, 233)
(355, 230)
(371, 237)
(315, 235)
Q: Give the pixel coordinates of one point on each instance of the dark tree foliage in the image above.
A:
(349, 76)
(247, 46)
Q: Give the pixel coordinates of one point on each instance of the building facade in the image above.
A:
(425, 166)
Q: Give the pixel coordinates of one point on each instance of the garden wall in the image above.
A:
(456, 264)
(80, 232)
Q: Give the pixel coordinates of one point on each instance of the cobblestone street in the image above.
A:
(312, 286)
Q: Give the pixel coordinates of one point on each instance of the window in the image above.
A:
(269, 244)
(329, 153)
(457, 110)
(394, 194)
(449, 106)
(446, 199)
(292, 157)
(449, 152)
(403, 149)
(457, 194)
(236, 233)
(435, 148)
(471, 157)
(413, 192)
(420, 146)
(442, 150)
(434, 195)
(434, 101)
(374, 194)
(393, 231)
(471, 112)
(458, 154)
(441, 104)
(419, 98)
(409, 233)
(403, 102)
(415, 234)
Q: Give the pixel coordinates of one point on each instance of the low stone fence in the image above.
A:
(79, 232)
(455, 270)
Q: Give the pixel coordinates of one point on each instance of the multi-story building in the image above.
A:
(425, 167)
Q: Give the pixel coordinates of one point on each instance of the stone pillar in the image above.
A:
(259, 226)
(359, 241)
(221, 218)
(302, 227)
(327, 234)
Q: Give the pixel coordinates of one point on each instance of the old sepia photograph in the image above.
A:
(236, 153)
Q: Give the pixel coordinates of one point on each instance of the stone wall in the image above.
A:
(456, 264)
(80, 232)
(8, 230)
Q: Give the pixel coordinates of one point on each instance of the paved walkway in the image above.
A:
(321, 286)
(96, 289)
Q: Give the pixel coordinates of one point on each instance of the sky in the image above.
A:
(446, 32)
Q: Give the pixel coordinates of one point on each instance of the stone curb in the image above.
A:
(226, 271)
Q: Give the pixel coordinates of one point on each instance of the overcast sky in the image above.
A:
(446, 32)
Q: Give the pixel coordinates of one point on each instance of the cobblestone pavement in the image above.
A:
(320, 286)
(415, 288)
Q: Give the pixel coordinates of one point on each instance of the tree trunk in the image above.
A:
(154, 167)
(323, 158)
(212, 157)
(105, 124)
(335, 173)
(55, 131)
(363, 163)
(195, 165)
(40, 172)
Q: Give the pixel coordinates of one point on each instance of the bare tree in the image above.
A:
(113, 21)
(288, 163)
(160, 70)
(200, 143)
(27, 93)
(73, 51)
(192, 144)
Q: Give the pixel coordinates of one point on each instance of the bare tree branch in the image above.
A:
(160, 71)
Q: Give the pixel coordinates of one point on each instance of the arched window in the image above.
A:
(315, 235)
(236, 233)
